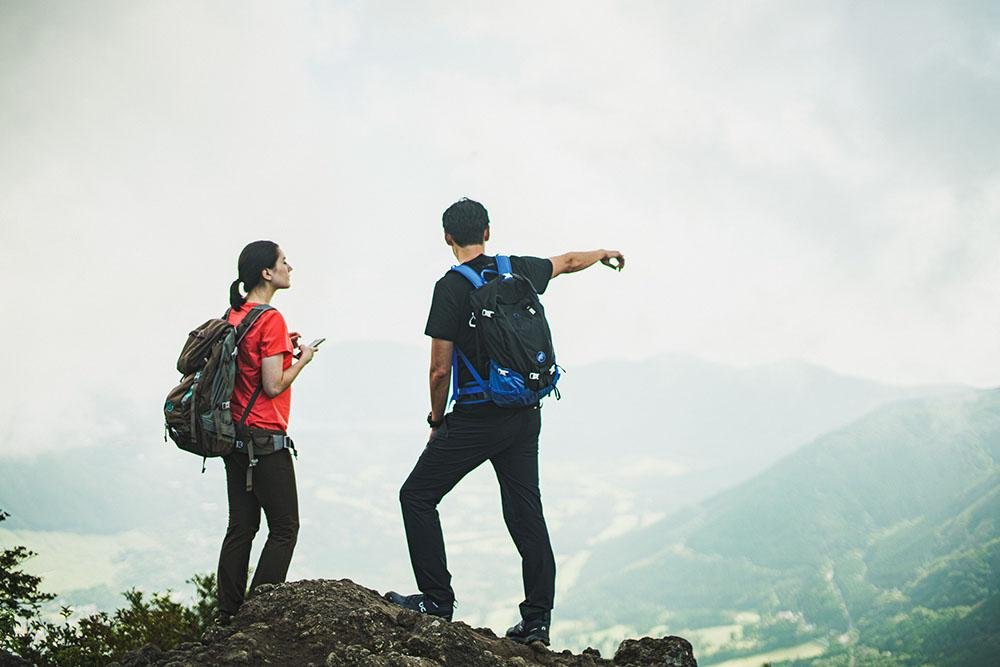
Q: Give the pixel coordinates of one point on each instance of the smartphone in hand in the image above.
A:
(316, 343)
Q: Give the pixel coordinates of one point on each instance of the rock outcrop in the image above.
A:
(331, 623)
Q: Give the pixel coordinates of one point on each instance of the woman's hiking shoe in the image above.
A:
(526, 632)
(421, 604)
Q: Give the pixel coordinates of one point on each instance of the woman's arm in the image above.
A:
(277, 379)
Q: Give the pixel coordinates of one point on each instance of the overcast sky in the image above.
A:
(814, 181)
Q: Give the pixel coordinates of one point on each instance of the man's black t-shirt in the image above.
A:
(451, 312)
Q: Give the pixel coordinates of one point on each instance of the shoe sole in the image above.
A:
(398, 603)
(529, 639)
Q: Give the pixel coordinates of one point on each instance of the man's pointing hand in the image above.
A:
(613, 259)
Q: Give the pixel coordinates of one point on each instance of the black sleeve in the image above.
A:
(536, 269)
(445, 315)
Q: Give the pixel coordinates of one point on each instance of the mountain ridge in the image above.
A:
(865, 523)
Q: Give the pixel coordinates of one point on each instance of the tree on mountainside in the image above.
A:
(21, 599)
(98, 638)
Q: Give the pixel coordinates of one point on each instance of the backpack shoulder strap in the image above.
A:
(241, 331)
(473, 277)
(249, 319)
(503, 265)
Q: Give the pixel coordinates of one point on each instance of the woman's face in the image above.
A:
(281, 272)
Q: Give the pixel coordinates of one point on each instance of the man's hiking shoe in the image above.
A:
(527, 632)
(421, 604)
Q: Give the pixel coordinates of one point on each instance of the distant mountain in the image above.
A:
(628, 444)
(706, 425)
(882, 532)
(691, 408)
(703, 424)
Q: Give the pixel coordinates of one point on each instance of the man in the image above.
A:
(476, 431)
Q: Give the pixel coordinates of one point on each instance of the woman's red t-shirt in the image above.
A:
(268, 336)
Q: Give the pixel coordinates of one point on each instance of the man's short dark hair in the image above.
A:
(466, 220)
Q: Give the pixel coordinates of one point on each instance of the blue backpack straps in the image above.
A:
(478, 386)
(454, 375)
(473, 277)
(503, 266)
(504, 269)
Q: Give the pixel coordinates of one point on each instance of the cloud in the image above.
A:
(787, 180)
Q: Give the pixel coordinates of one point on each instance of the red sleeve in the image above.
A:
(274, 335)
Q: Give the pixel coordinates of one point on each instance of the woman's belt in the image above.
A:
(256, 442)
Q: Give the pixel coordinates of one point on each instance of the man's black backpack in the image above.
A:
(512, 330)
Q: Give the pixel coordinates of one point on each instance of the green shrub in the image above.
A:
(98, 638)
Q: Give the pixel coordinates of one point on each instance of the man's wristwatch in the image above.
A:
(431, 422)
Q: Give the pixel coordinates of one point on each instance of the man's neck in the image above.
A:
(464, 253)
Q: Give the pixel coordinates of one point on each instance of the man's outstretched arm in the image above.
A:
(572, 262)
(440, 375)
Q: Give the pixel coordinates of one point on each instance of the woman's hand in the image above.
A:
(306, 353)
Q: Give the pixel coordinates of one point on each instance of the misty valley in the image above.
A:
(773, 513)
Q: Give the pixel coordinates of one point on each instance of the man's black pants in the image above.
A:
(274, 492)
(509, 440)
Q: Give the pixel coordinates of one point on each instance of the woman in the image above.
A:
(265, 372)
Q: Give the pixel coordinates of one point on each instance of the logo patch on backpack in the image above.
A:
(540, 357)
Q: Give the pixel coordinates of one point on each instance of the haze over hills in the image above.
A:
(741, 417)
(628, 444)
(868, 538)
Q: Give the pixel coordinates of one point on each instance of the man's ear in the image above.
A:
(448, 239)
(486, 234)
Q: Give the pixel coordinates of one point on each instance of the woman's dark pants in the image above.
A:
(274, 492)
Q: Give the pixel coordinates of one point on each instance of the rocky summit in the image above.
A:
(330, 623)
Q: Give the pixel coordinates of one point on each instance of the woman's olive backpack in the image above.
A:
(198, 418)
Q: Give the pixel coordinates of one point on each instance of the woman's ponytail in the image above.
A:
(236, 300)
(256, 257)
